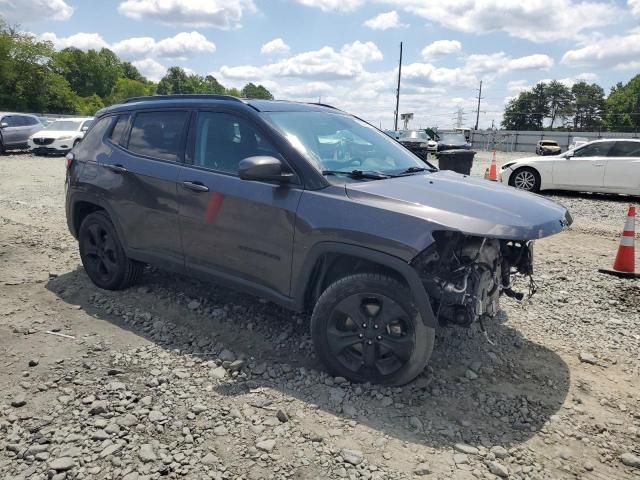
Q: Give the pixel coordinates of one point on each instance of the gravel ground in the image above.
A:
(176, 378)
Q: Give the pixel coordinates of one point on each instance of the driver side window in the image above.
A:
(600, 149)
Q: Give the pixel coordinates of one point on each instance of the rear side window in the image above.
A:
(158, 134)
(626, 149)
(119, 129)
(88, 147)
(10, 120)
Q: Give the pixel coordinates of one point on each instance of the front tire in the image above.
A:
(103, 257)
(365, 328)
(525, 178)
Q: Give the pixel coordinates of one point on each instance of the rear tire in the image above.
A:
(103, 257)
(365, 328)
(526, 179)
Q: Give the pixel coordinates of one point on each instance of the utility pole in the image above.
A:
(395, 123)
(478, 112)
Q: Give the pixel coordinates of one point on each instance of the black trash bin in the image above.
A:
(459, 161)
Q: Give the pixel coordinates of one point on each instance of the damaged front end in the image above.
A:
(465, 275)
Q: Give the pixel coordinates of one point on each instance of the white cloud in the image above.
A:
(321, 65)
(275, 47)
(150, 68)
(535, 20)
(499, 63)
(385, 21)
(441, 48)
(183, 45)
(83, 41)
(333, 5)
(517, 86)
(426, 74)
(25, 11)
(634, 6)
(615, 51)
(362, 52)
(223, 14)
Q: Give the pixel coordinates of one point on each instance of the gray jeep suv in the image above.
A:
(306, 206)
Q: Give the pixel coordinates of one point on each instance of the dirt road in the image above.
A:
(176, 378)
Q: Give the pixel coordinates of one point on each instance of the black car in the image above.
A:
(418, 142)
(452, 141)
(309, 207)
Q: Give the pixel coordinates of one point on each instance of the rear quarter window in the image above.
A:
(90, 144)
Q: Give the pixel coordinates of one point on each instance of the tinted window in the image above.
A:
(32, 121)
(119, 128)
(626, 149)
(599, 149)
(10, 120)
(223, 140)
(86, 124)
(87, 149)
(158, 134)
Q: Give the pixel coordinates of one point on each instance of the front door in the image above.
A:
(584, 169)
(15, 133)
(234, 228)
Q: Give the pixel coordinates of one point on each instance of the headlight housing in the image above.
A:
(66, 137)
(507, 165)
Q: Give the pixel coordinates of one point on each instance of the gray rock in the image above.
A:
(416, 423)
(198, 408)
(193, 304)
(19, 400)
(110, 450)
(62, 464)
(468, 449)
(146, 453)
(282, 416)
(266, 445)
(156, 416)
(354, 457)
(98, 407)
(470, 374)
(460, 459)
(499, 452)
(422, 469)
(226, 355)
(236, 365)
(127, 420)
(586, 357)
(220, 431)
(209, 459)
(498, 469)
(630, 460)
(218, 373)
(34, 362)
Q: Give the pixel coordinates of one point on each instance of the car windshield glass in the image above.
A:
(453, 139)
(338, 142)
(63, 125)
(549, 144)
(415, 135)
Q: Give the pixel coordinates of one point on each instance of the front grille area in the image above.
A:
(43, 141)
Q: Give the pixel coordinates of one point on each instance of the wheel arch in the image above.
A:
(327, 262)
(81, 205)
(527, 166)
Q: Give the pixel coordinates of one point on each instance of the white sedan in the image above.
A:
(606, 166)
(59, 136)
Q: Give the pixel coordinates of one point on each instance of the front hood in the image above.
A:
(53, 134)
(471, 205)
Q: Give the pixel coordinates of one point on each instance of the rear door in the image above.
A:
(139, 177)
(11, 133)
(584, 169)
(622, 171)
(233, 228)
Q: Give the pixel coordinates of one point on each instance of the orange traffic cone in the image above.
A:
(493, 169)
(625, 262)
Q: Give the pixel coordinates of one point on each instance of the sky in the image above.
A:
(345, 52)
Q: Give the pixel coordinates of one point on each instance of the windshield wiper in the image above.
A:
(418, 169)
(368, 174)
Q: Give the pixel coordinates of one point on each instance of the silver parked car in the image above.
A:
(15, 130)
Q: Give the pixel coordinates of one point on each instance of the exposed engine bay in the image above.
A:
(465, 275)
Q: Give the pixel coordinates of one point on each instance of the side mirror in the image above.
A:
(4, 125)
(84, 129)
(263, 168)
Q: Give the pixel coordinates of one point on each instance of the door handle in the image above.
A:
(115, 168)
(598, 164)
(195, 186)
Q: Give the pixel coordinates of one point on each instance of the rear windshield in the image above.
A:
(415, 135)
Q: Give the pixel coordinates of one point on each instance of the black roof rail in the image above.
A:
(185, 96)
(324, 105)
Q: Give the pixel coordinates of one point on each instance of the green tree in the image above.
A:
(125, 88)
(559, 101)
(234, 92)
(131, 72)
(256, 91)
(623, 106)
(176, 81)
(90, 105)
(588, 106)
(89, 72)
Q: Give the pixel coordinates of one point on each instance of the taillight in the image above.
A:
(70, 158)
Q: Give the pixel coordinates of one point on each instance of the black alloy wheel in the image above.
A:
(102, 255)
(365, 329)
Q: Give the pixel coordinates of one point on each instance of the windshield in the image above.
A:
(549, 143)
(63, 125)
(337, 142)
(415, 135)
(452, 138)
